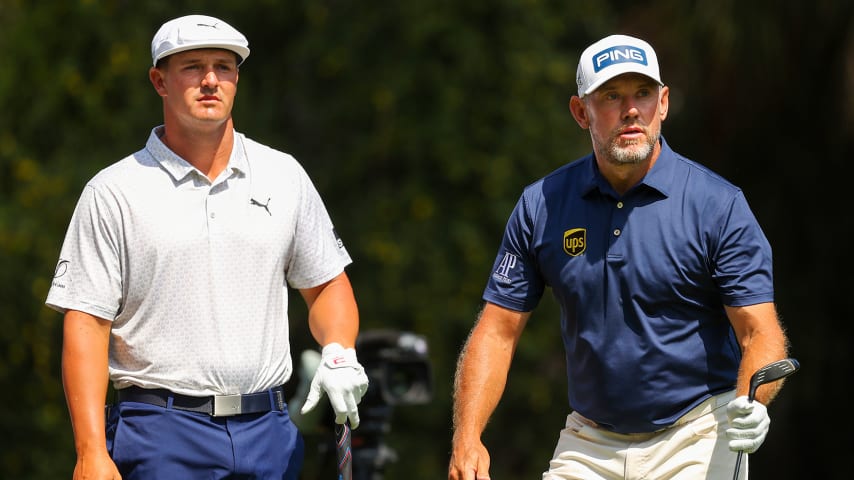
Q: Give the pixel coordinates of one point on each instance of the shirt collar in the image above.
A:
(179, 168)
(660, 176)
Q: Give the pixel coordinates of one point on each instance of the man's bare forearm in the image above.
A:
(85, 376)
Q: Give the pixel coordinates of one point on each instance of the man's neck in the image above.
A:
(208, 151)
(624, 176)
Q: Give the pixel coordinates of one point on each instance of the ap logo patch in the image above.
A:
(505, 268)
(575, 241)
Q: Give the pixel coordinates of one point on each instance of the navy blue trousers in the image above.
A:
(148, 442)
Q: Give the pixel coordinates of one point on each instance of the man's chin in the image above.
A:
(211, 121)
(633, 154)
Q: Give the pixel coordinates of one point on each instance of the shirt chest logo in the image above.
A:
(575, 241)
(265, 206)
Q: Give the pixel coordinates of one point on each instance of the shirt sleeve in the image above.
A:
(743, 261)
(515, 281)
(88, 274)
(319, 253)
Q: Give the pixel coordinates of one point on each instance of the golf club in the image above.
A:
(345, 456)
(767, 374)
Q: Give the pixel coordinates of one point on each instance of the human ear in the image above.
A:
(156, 78)
(664, 102)
(579, 111)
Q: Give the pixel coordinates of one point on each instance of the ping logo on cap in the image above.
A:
(618, 54)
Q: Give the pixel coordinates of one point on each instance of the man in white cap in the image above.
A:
(172, 283)
(664, 280)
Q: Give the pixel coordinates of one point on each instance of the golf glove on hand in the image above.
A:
(749, 423)
(342, 378)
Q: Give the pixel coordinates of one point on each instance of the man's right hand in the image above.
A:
(469, 461)
(96, 466)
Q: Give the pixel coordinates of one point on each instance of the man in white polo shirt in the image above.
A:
(171, 280)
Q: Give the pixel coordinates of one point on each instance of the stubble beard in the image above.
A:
(632, 152)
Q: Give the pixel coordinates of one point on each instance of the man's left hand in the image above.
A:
(749, 423)
(342, 377)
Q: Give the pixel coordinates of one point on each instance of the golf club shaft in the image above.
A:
(738, 465)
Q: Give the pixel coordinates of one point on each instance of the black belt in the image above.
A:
(216, 406)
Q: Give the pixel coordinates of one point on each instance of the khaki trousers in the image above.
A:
(695, 447)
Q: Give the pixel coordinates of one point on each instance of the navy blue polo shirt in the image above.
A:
(641, 279)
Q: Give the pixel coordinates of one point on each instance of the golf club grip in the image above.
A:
(750, 396)
(343, 448)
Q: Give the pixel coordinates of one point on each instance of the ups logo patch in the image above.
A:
(575, 241)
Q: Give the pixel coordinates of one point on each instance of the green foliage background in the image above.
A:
(420, 122)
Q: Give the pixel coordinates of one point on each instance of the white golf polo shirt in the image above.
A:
(193, 273)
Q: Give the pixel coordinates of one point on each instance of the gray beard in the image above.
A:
(632, 155)
(626, 156)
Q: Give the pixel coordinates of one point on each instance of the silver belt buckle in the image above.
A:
(226, 405)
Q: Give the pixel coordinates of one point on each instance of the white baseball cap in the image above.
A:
(197, 31)
(615, 55)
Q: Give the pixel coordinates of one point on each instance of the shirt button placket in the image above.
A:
(617, 231)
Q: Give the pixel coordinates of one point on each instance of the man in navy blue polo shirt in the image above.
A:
(664, 280)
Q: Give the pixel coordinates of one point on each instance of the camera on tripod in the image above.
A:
(397, 367)
(399, 375)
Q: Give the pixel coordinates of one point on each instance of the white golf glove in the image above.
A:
(749, 423)
(342, 378)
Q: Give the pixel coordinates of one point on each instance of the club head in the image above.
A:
(772, 372)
